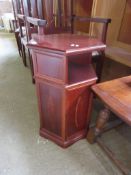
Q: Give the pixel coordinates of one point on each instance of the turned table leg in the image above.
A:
(96, 131)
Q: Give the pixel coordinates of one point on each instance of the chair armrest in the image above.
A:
(40, 23)
(36, 21)
(104, 21)
(20, 16)
(93, 19)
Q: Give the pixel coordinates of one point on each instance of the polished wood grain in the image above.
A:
(75, 44)
(77, 103)
(51, 106)
(69, 43)
(64, 75)
(47, 60)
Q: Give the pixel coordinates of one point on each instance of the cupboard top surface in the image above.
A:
(68, 43)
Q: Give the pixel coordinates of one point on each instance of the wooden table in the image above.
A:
(116, 95)
(64, 75)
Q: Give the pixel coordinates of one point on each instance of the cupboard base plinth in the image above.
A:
(60, 141)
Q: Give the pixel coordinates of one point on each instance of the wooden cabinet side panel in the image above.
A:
(50, 104)
(50, 65)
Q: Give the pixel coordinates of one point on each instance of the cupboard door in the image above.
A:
(77, 110)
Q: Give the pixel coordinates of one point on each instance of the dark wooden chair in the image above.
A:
(116, 96)
(17, 9)
(21, 38)
(20, 9)
(23, 9)
(97, 57)
(34, 25)
(17, 37)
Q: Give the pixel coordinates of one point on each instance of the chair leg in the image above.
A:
(96, 131)
(18, 42)
(24, 55)
(31, 67)
(99, 66)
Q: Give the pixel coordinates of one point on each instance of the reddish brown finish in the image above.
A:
(76, 110)
(48, 60)
(68, 43)
(51, 106)
(63, 75)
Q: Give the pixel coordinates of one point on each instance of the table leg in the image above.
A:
(96, 131)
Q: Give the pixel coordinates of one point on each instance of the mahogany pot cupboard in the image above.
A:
(64, 74)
